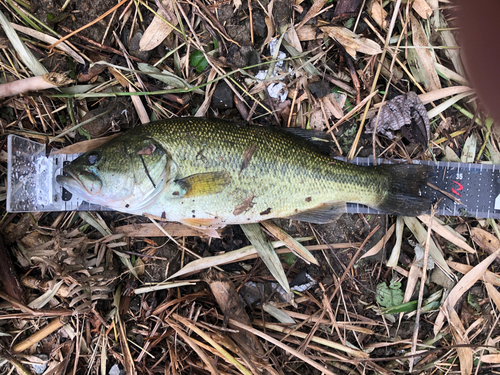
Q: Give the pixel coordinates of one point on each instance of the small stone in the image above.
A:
(222, 97)
(259, 24)
(243, 57)
(135, 50)
(282, 13)
(40, 368)
(440, 278)
(115, 370)
(319, 89)
(239, 33)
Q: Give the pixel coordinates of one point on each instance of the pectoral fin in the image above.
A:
(202, 184)
(322, 214)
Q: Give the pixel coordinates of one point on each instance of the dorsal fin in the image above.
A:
(318, 138)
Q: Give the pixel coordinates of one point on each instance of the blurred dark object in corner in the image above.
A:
(479, 25)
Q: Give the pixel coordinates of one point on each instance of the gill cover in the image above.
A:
(125, 174)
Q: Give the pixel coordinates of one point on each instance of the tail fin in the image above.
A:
(405, 189)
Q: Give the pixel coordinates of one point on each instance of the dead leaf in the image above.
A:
(489, 276)
(465, 354)
(244, 205)
(379, 246)
(422, 8)
(448, 234)
(150, 230)
(493, 293)
(352, 42)
(290, 242)
(491, 358)
(420, 234)
(312, 12)
(265, 249)
(424, 54)
(462, 286)
(118, 76)
(292, 38)
(394, 258)
(419, 258)
(247, 156)
(485, 240)
(84, 146)
(378, 13)
(158, 30)
(308, 32)
(332, 106)
(469, 149)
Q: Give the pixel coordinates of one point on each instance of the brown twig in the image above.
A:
(37, 83)
(41, 334)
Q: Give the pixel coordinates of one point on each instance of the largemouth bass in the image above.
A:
(209, 173)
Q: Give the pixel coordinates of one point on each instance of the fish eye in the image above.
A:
(92, 159)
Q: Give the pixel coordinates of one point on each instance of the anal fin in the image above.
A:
(322, 213)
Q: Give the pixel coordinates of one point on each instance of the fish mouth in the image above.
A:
(82, 183)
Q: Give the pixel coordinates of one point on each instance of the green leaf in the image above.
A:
(389, 296)
(84, 133)
(405, 307)
(197, 60)
(289, 258)
(349, 23)
(473, 301)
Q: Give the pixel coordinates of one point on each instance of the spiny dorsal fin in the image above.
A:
(201, 184)
(322, 214)
(318, 138)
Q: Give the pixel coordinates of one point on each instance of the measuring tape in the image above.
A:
(468, 190)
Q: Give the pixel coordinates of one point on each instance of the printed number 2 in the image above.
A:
(459, 187)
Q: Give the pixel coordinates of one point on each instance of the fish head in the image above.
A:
(124, 174)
